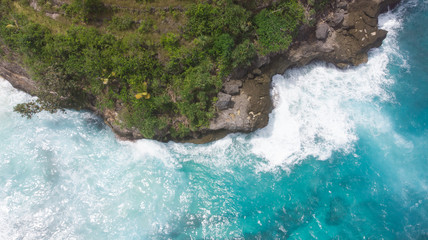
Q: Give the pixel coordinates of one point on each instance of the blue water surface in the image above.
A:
(344, 157)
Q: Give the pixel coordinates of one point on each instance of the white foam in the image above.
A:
(10, 96)
(319, 107)
(150, 148)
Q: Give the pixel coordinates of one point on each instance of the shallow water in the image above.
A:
(344, 157)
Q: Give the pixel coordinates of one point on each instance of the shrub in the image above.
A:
(146, 26)
(222, 47)
(202, 20)
(4, 7)
(205, 19)
(197, 90)
(243, 54)
(84, 10)
(277, 27)
(121, 23)
(234, 20)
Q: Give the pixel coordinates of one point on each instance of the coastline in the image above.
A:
(342, 36)
(350, 31)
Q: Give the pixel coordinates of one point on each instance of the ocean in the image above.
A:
(344, 156)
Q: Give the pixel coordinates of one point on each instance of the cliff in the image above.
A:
(342, 35)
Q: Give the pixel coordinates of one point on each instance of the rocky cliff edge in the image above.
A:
(342, 36)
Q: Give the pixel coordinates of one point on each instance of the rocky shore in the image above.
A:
(342, 36)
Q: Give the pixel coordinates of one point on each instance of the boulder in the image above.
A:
(232, 87)
(342, 5)
(322, 31)
(337, 18)
(224, 101)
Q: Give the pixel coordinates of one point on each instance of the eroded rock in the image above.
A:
(232, 87)
(322, 31)
(342, 5)
(337, 19)
(224, 101)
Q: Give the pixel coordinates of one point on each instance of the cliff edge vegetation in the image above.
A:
(155, 67)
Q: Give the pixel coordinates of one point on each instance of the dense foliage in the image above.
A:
(160, 82)
(277, 27)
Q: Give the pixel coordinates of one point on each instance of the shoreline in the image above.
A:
(342, 36)
(350, 31)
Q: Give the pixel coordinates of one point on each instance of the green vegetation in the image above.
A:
(121, 23)
(276, 27)
(83, 10)
(159, 67)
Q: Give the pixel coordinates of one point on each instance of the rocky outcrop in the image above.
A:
(224, 101)
(322, 31)
(343, 37)
(11, 69)
(232, 87)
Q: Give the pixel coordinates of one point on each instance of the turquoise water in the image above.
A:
(343, 157)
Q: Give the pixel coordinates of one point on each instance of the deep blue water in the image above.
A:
(344, 157)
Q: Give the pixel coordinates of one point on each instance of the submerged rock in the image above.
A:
(337, 212)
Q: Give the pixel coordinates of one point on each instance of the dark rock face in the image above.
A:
(223, 101)
(232, 87)
(352, 33)
(17, 76)
(11, 69)
(257, 72)
(384, 5)
(337, 18)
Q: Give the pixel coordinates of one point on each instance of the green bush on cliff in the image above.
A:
(83, 10)
(206, 19)
(202, 20)
(170, 42)
(121, 23)
(197, 89)
(276, 27)
(243, 54)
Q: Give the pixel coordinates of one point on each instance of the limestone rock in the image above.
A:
(232, 87)
(257, 72)
(322, 31)
(337, 18)
(348, 22)
(342, 5)
(224, 101)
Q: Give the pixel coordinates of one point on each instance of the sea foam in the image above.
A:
(319, 107)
